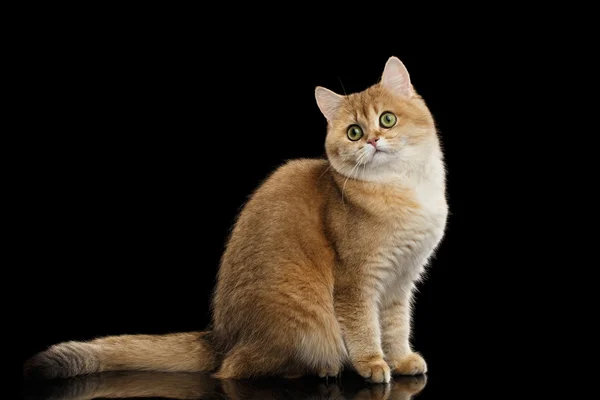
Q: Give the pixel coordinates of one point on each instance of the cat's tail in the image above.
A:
(185, 352)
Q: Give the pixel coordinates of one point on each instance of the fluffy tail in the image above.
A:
(185, 352)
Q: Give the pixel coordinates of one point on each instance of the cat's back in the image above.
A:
(288, 205)
(279, 236)
(297, 183)
(276, 274)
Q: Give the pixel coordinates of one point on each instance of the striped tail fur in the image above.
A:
(182, 352)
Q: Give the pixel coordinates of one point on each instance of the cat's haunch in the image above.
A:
(320, 268)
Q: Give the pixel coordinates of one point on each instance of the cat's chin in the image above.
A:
(376, 169)
(379, 158)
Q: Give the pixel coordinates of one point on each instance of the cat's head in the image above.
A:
(380, 131)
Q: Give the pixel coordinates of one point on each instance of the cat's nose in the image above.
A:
(373, 142)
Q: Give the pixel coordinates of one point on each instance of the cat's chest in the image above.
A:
(411, 234)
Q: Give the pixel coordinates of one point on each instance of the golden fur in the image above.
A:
(320, 268)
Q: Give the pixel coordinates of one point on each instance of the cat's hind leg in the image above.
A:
(246, 361)
(314, 349)
(287, 328)
(321, 348)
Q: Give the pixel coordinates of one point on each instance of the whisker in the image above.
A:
(344, 89)
(346, 181)
(364, 170)
(320, 176)
(361, 160)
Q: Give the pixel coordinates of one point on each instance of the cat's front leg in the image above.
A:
(357, 313)
(395, 317)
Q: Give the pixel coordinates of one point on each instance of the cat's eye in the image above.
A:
(387, 119)
(355, 132)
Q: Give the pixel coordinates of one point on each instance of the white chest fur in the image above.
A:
(412, 240)
(413, 236)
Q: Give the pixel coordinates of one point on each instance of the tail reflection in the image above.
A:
(123, 385)
(201, 386)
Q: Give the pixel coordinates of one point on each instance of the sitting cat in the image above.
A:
(321, 266)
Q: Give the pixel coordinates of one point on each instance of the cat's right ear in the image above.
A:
(329, 102)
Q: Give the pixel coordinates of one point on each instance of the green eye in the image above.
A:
(354, 132)
(387, 120)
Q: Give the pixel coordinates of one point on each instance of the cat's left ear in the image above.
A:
(329, 102)
(396, 79)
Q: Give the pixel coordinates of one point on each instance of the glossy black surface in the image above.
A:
(201, 386)
(141, 143)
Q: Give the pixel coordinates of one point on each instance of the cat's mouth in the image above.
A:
(373, 156)
(379, 151)
(373, 151)
(379, 156)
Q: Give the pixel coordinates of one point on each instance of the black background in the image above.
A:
(144, 142)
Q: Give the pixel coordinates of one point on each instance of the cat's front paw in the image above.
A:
(375, 370)
(410, 364)
(330, 371)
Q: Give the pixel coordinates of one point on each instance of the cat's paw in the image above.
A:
(375, 370)
(410, 364)
(331, 371)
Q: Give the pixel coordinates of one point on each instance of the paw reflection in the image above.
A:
(400, 388)
(201, 386)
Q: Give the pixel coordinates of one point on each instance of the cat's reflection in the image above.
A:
(201, 386)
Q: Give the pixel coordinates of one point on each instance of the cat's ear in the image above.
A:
(396, 79)
(329, 102)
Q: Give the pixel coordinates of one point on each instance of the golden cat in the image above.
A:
(320, 268)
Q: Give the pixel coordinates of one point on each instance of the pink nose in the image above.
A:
(373, 142)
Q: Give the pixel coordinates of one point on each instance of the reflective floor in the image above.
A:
(200, 386)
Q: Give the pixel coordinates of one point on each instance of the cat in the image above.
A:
(320, 268)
